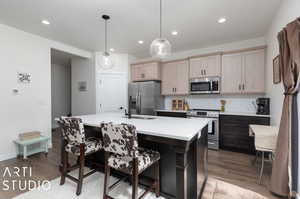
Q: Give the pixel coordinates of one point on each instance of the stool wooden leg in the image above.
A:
(106, 176)
(135, 180)
(157, 180)
(81, 169)
(64, 158)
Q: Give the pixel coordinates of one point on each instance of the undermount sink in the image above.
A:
(141, 117)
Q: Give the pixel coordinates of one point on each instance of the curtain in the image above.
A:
(289, 47)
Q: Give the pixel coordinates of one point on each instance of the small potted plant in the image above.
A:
(223, 103)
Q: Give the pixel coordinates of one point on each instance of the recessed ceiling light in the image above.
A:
(222, 20)
(174, 33)
(112, 50)
(46, 22)
(141, 42)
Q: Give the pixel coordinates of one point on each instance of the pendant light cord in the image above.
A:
(160, 14)
(105, 36)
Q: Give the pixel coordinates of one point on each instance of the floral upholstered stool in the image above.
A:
(122, 153)
(75, 142)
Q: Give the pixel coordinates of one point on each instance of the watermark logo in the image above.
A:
(21, 179)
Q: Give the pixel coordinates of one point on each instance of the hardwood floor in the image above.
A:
(235, 168)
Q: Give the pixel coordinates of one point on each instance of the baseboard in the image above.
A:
(7, 156)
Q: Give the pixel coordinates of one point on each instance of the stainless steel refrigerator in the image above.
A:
(145, 97)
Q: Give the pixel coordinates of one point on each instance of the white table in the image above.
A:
(265, 139)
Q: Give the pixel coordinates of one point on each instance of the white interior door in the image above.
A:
(111, 91)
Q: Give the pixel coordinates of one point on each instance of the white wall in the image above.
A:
(60, 91)
(83, 102)
(30, 109)
(288, 11)
(89, 70)
(223, 47)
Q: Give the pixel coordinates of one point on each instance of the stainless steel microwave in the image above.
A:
(209, 85)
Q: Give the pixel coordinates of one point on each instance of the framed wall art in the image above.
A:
(276, 70)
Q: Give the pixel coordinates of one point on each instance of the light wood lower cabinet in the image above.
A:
(243, 73)
(175, 78)
(145, 71)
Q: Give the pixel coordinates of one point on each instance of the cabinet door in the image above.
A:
(147, 71)
(197, 67)
(169, 73)
(234, 132)
(182, 77)
(212, 66)
(254, 72)
(137, 72)
(231, 73)
(151, 71)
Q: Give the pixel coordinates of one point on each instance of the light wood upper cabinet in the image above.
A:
(243, 72)
(231, 73)
(209, 66)
(175, 78)
(254, 72)
(145, 71)
(182, 80)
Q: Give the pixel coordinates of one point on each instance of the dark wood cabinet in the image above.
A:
(171, 114)
(234, 132)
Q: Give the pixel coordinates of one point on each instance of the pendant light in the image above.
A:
(160, 47)
(106, 60)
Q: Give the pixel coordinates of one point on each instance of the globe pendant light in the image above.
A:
(106, 60)
(160, 47)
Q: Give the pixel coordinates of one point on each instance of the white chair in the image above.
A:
(265, 138)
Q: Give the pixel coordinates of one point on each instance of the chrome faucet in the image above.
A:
(128, 114)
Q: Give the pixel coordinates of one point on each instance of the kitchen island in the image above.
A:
(182, 143)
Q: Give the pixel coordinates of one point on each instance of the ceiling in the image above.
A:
(79, 23)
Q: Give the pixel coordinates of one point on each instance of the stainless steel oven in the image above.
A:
(213, 126)
(209, 85)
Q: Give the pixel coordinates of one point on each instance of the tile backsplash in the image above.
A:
(243, 104)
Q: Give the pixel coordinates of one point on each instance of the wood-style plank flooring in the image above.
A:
(235, 168)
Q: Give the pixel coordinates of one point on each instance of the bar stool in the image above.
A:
(75, 142)
(123, 154)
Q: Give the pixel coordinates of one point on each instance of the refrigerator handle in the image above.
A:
(137, 102)
(140, 103)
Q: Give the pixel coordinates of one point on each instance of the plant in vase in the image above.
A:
(223, 103)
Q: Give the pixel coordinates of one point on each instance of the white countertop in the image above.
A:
(169, 127)
(243, 114)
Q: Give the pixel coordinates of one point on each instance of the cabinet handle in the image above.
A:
(201, 72)
(175, 90)
(143, 75)
(243, 86)
(204, 72)
(239, 87)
